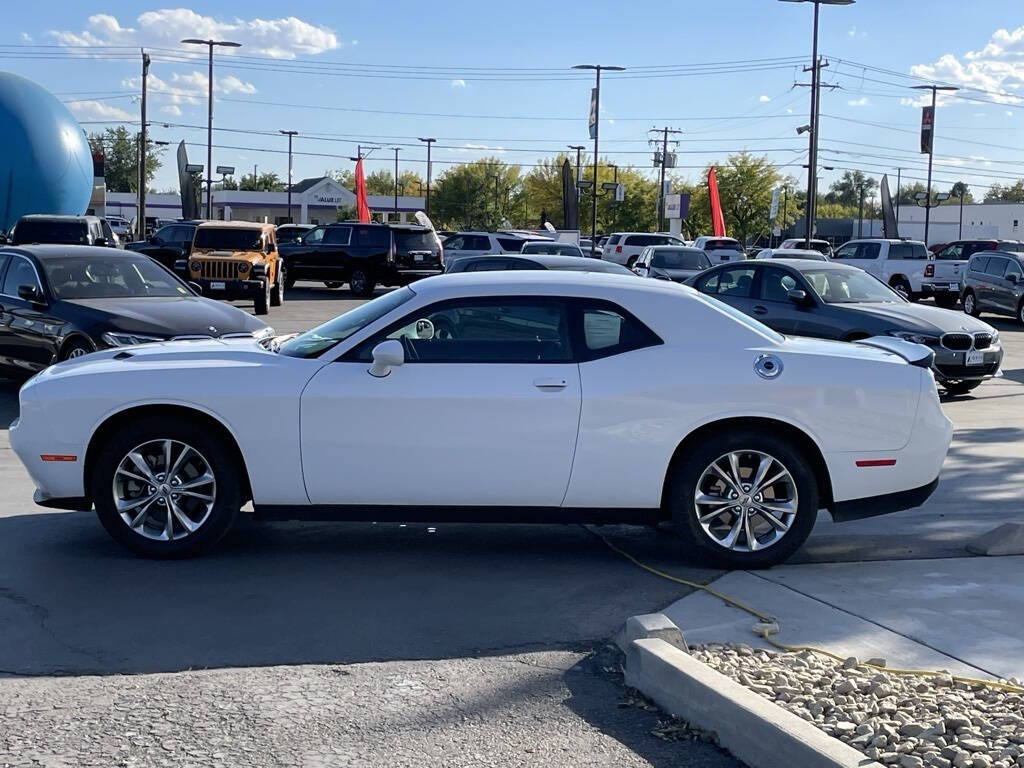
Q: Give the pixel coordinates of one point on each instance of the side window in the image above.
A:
(978, 263)
(776, 284)
(498, 330)
(455, 243)
(708, 284)
(995, 267)
(4, 258)
(372, 237)
(314, 236)
(905, 251)
(1013, 268)
(848, 251)
(337, 235)
(610, 330)
(951, 252)
(108, 232)
(869, 250)
(488, 265)
(510, 244)
(21, 272)
(736, 282)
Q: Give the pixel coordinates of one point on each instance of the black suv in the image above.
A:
(168, 244)
(62, 230)
(363, 255)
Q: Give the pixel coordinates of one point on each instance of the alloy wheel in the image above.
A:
(164, 490)
(969, 303)
(77, 352)
(746, 501)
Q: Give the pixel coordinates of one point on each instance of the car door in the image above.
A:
(734, 285)
(167, 246)
(1012, 279)
(332, 257)
(28, 339)
(484, 411)
(773, 306)
(999, 288)
(302, 256)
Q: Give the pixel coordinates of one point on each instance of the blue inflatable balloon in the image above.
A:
(45, 160)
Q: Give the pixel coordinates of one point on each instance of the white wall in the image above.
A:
(999, 220)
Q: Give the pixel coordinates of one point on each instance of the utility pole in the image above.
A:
(898, 171)
(785, 203)
(497, 211)
(931, 148)
(140, 211)
(396, 181)
(428, 142)
(597, 128)
(289, 134)
(860, 213)
(579, 148)
(660, 215)
(960, 231)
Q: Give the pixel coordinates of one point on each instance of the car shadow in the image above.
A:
(8, 402)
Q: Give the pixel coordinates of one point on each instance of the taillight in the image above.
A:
(929, 270)
(618, 249)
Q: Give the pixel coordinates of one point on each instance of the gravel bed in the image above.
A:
(904, 720)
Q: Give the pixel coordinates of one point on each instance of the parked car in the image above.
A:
(720, 248)
(120, 226)
(236, 260)
(38, 228)
(168, 245)
(551, 248)
(288, 233)
(558, 397)
(830, 300)
(671, 262)
(464, 244)
(790, 253)
(994, 282)
(898, 263)
(822, 246)
(62, 302)
(625, 247)
(363, 255)
(944, 277)
(501, 262)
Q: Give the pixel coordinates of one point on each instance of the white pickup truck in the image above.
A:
(899, 263)
(944, 277)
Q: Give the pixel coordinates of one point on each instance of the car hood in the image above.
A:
(919, 317)
(253, 256)
(169, 316)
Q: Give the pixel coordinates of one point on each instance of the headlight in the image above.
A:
(995, 337)
(263, 333)
(916, 338)
(194, 266)
(243, 267)
(117, 339)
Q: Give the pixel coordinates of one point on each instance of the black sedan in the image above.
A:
(833, 301)
(534, 261)
(58, 302)
(168, 244)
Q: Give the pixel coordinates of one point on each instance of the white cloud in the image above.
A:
(468, 147)
(997, 68)
(283, 38)
(26, 37)
(190, 88)
(1009, 113)
(171, 109)
(763, 98)
(789, 110)
(852, 31)
(460, 83)
(98, 110)
(861, 102)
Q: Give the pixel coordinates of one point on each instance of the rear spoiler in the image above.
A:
(915, 354)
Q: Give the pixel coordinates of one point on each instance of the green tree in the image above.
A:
(382, 182)
(1009, 193)
(464, 196)
(229, 183)
(346, 178)
(909, 191)
(848, 188)
(958, 189)
(120, 150)
(745, 185)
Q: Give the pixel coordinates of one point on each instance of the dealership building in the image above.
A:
(314, 201)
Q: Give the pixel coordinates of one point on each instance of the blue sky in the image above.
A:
(870, 122)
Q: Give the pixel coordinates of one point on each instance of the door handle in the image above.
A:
(550, 383)
(759, 310)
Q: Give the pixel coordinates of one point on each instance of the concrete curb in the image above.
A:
(754, 729)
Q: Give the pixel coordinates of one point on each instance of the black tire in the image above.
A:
(361, 283)
(74, 348)
(1020, 312)
(945, 300)
(971, 304)
(277, 292)
(900, 285)
(957, 388)
(332, 284)
(221, 463)
(289, 279)
(261, 303)
(687, 474)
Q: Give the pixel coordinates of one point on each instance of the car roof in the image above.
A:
(233, 225)
(57, 217)
(44, 251)
(806, 264)
(678, 248)
(541, 281)
(787, 251)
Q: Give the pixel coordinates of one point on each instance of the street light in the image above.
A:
(209, 114)
(428, 142)
(597, 123)
(931, 150)
(812, 128)
(289, 134)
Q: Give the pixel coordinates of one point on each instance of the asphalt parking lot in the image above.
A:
(73, 603)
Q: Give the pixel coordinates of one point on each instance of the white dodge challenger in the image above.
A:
(485, 397)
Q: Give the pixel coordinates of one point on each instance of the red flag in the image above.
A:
(717, 220)
(362, 209)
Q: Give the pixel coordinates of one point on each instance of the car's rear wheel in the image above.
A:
(166, 488)
(360, 283)
(945, 301)
(289, 279)
(971, 304)
(277, 292)
(332, 284)
(744, 499)
(262, 301)
(900, 285)
(75, 348)
(1020, 311)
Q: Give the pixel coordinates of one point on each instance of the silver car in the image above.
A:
(671, 262)
(994, 282)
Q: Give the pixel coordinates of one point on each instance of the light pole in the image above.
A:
(579, 148)
(597, 124)
(397, 149)
(809, 223)
(209, 116)
(926, 201)
(812, 153)
(960, 229)
(931, 148)
(428, 142)
(289, 134)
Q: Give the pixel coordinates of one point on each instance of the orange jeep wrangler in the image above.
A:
(236, 260)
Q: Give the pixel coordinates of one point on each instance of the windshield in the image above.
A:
(52, 231)
(323, 337)
(849, 286)
(552, 249)
(414, 241)
(679, 259)
(228, 239)
(105, 277)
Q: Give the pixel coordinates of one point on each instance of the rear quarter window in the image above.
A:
(373, 237)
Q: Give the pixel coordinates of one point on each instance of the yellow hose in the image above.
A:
(767, 619)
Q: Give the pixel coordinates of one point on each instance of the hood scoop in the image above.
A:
(123, 355)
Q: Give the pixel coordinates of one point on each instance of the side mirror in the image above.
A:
(387, 355)
(30, 293)
(196, 287)
(798, 297)
(1013, 277)
(641, 268)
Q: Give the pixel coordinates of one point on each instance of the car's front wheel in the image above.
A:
(744, 499)
(360, 283)
(166, 488)
(277, 292)
(971, 304)
(957, 388)
(261, 305)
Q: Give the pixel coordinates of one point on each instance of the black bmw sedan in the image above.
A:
(829, 300)
(63, 301)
